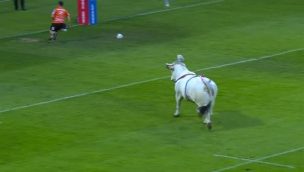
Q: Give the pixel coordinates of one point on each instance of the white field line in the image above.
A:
(142, 82)
(167, 10)
(254, 161)
(260, 159)
(124, 18)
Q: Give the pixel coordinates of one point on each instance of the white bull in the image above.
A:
(198, 89)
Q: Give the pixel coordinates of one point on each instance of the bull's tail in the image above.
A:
(204, 109)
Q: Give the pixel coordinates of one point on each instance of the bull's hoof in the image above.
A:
(209, 126)
(175, 116)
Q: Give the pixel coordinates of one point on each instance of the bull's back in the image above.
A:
(198, 92)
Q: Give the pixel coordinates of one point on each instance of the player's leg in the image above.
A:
(53, 32)
(53, 35)
(64, 27)
(16, 4)
(22, 4)
(166, 3)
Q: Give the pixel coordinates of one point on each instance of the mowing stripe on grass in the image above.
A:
(144, 81)
(260, 159)
(124, 18)
(254, 161)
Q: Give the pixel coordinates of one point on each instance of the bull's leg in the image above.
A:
(178, 99)
(207, 120)
(210, 112)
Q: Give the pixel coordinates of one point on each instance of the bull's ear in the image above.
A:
(169, 66)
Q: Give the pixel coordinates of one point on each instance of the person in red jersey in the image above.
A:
(59, 15)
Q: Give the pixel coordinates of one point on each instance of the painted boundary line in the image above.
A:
(144, 81)
(254, 161)
(260, 159)
(123, 18)
(166, 10)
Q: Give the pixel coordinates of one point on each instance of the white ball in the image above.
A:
(119, 36)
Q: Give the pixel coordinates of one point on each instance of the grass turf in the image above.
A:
(258, 111)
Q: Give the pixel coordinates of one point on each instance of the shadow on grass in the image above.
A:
(228, 120)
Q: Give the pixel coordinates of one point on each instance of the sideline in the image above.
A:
(145, 81)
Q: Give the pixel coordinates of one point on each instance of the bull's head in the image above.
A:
(179, 60)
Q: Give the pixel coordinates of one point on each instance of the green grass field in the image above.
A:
(91, 103)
